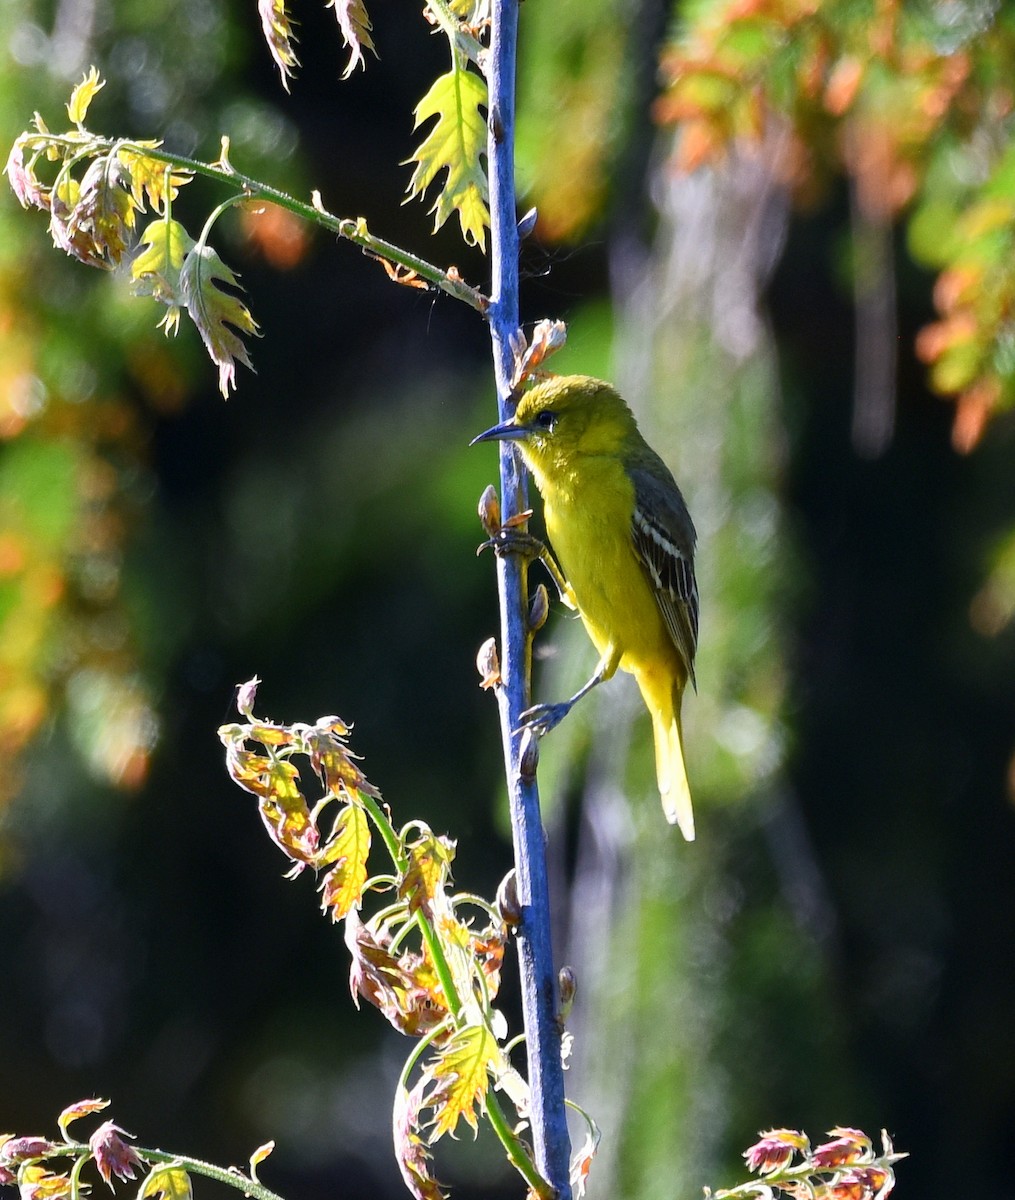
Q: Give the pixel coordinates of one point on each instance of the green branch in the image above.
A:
(231, 1176)
(352, 229)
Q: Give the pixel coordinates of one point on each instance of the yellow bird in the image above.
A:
(621, 530)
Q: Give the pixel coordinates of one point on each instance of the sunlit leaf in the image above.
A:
(456, 144)
(217, 314)
(149, 178)
(375, 973)
(354, 23)
(82, 96)
(155, 269)
(348, 848)
(281, 803)
(284, 811)
(36, 1183)
(462, 1071)
(166, 1183)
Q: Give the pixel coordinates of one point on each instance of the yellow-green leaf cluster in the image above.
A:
(431, 969)
(92, 216)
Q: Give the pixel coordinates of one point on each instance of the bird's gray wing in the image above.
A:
(664, 538)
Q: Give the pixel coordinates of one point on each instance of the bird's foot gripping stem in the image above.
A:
(508, 539)
(541, 718)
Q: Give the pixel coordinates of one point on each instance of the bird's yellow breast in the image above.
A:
(588, 520)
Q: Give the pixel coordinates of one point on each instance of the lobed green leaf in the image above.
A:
(456, 144)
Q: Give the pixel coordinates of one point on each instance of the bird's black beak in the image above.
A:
(506, 432)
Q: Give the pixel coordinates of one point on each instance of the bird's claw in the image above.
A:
(541, 718)
(513, 541)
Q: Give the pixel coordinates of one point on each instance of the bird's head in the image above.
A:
(563, 418)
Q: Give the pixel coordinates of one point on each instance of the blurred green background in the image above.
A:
(836, 948)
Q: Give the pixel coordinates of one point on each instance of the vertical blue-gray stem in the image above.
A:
(538, 976)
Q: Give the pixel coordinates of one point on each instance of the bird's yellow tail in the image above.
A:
(674, 790)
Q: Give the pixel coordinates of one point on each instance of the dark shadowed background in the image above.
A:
(836, 948)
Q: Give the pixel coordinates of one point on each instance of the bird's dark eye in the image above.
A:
(546, 420)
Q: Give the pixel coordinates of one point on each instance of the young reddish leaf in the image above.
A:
(246, 694)
(848, 1146)
(217, 314)
(462, 1073)
(547, 338)
(348, 848)
(375, 973)
(275, 782)
(403, 989)
(333, 761)
(277, 28)
(487, 948)
(455, 144)
(488, 664)
(82, 96)
(22, 179)
(774, 1150)
(83, 1108)
(355, 25)
(414, 1157)
(111, 1153)
(22, 1149)
(104, 212)
(63, 198)
(167, 1183)
(429, 868)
